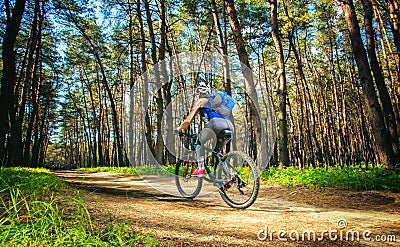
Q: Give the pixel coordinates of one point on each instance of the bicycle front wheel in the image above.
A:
(240, 180)
(188, 186)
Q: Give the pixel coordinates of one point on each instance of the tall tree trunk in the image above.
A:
(117, 132)
(39, 132)
(382, 145)
(8, 80)
(282, 91)
(306, 93)
(102, 144)
(379, 79)
(392, 76)
(223, 47)
(117, 137)
(167, 86)
(247, 73)
(394, 24)
(131, 84)
(147, 133)
(95, 123)
(32, 75)
(87, 127)
(159, 146)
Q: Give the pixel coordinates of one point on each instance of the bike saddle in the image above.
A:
(224, 135)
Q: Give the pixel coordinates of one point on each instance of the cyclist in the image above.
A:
(216, 122)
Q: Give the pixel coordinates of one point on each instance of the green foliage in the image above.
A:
(34, 214)
(348, 178)
(120, 235)
(353, 178)
(29, 180)
(139, 170)
(125, 170)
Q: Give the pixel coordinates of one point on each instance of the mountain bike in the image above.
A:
(235, 174)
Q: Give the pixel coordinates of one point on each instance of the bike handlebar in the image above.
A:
(193, 136)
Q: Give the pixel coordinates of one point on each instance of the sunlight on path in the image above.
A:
(172, 217)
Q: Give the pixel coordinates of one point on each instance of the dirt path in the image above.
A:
(208, 221)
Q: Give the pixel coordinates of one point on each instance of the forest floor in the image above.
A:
(335, 216)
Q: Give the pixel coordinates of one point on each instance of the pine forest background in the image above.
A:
(331, 67)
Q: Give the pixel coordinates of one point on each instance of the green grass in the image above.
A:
(349, 178)
(139, 170)
(39, 209)
(125, 170)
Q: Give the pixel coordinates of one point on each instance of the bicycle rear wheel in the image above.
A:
(241, 180)
(188, 186)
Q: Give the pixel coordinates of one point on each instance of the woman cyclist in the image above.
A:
(216, 122)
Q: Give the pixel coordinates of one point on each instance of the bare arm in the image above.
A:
(195, 109)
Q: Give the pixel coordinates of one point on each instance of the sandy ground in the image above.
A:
(279, 217)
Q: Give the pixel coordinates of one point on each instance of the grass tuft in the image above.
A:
(37, 209)
(349, 178)
(139, 170)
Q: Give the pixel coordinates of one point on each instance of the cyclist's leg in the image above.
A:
(218, 125)
(207, 134)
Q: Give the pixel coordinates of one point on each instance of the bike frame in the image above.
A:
(217, 157)
(220, 171)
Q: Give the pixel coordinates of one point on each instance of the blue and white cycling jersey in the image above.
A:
(209, 113)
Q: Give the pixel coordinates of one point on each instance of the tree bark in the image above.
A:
(390, 62)
(282, 89)
(159, 146)
(247, 73)
(31, 75)
(8, 80)
(147, 126)
(394, 24)
(117, 136)
(383, 146)
(223, 47)
(379, 79)
(132, 106)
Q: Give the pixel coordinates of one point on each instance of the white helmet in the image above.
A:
(203, 88)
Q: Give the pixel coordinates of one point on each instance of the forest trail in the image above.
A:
(208, 221)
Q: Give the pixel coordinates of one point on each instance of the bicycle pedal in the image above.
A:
(227, 186)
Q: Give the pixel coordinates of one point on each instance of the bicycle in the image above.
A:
(235, 175)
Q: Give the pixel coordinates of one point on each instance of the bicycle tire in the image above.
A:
(228, 194)
(188, 187)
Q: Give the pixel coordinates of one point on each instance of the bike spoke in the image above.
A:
(241, 180)
(187, 185)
